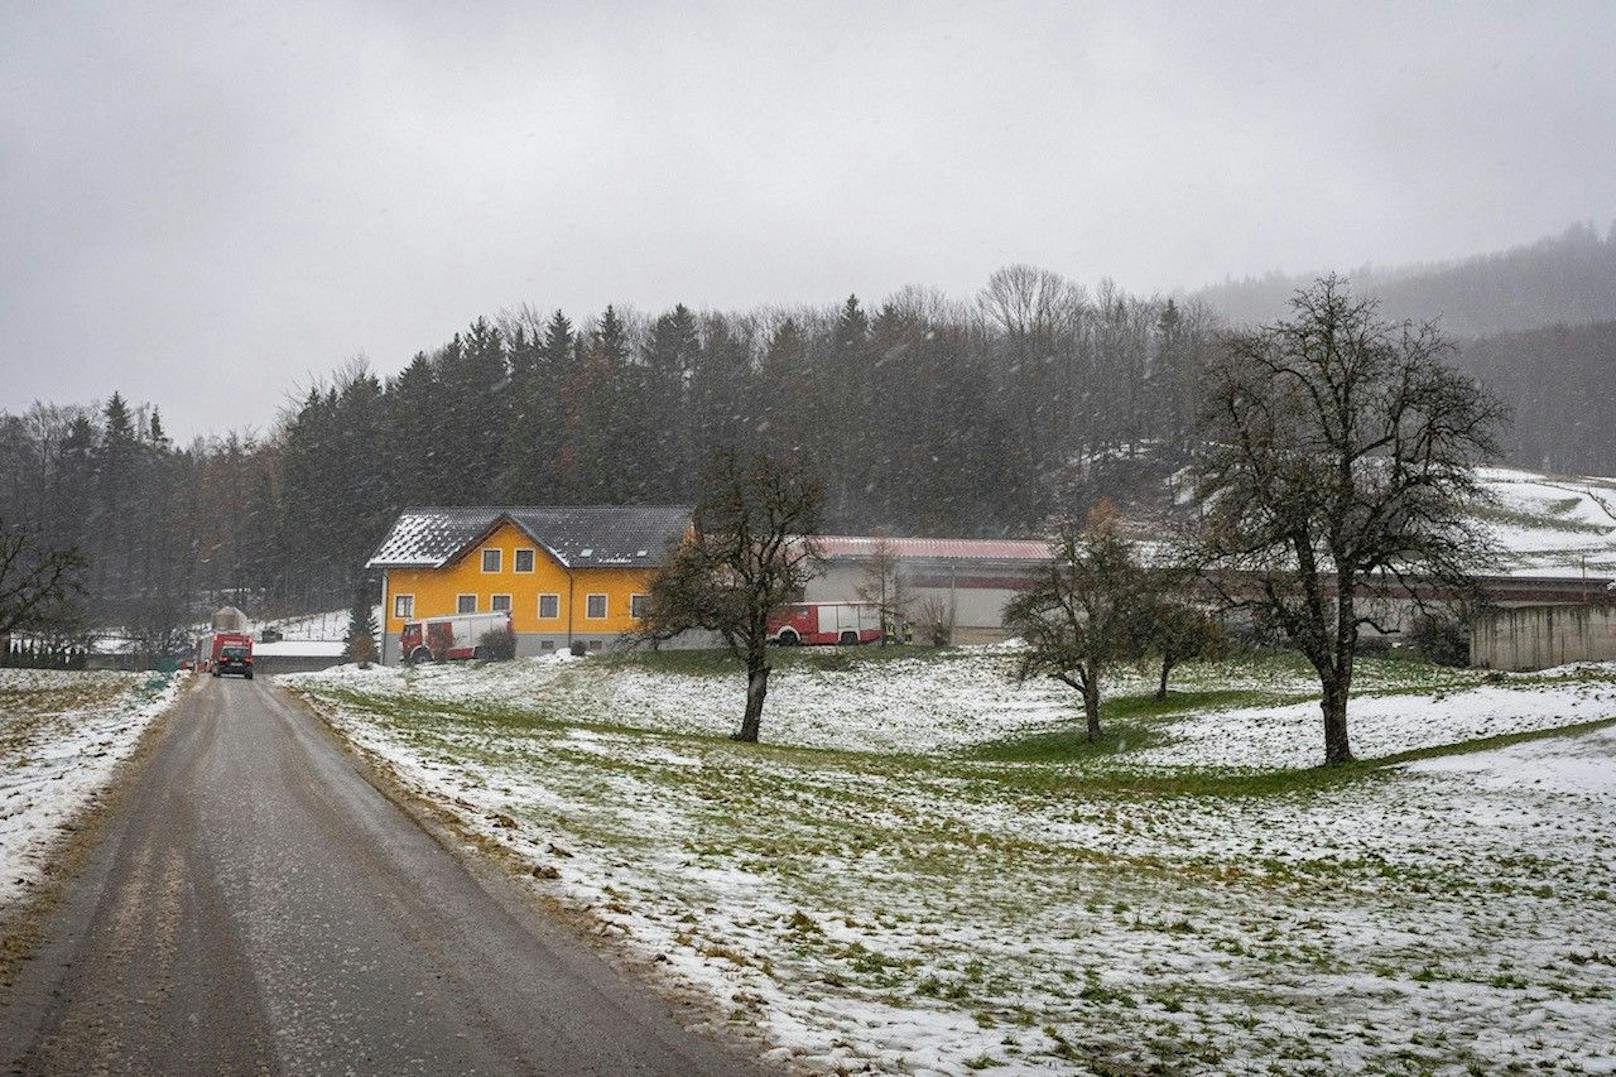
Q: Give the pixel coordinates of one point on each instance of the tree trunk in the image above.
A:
(1338, 685)
(757, 687)
(1091, 705)
(1334, 705)
(1161, 691)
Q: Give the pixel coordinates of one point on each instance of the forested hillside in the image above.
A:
(1570, 279)
(1536, 323)
(923, 415)
(1561, 383)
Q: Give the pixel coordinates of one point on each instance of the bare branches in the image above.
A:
(1340, 451)
(1082, 617)
(750, 550)
(36, 583)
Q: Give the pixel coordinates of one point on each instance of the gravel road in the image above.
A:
(254, 905)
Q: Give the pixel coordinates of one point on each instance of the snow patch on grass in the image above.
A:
(876, 893)
(61, 735)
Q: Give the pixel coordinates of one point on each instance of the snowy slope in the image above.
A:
(1549, 524)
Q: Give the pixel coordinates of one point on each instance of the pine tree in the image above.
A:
(671, 352)
(113, 541)
(361, 641)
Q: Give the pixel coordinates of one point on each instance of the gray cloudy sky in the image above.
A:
(208, 204)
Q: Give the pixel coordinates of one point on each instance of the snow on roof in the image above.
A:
(862, 547)
(579, 536)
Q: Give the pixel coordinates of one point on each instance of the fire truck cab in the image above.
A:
(446, 639)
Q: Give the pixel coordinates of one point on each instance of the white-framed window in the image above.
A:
(523, 561)
(491, 560)
(595, 607)
(465, 603)
(636, 606)
(500, 603)
(404, 606)
(549, 607)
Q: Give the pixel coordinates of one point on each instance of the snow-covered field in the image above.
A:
(61, 734)
(917, 874)
(925, 702)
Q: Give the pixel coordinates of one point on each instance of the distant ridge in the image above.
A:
(1569, 279)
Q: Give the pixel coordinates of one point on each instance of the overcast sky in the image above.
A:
(207, 205)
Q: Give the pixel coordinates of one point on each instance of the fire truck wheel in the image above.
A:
(849, 637)
(215, 672)
(788, 639)
(419, 656)
(249, 674)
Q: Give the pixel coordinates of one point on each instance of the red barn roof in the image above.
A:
(862, 547)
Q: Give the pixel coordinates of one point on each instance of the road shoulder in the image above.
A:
(23, 922)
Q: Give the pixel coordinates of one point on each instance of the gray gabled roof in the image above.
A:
(579, 536)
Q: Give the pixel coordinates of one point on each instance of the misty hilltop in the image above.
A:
(1568, 279)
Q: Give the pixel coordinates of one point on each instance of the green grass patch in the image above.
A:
(1126, 724)
(1554, 520)
(713, 663)
(1068, 744)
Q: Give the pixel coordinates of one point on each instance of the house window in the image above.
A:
(524, 560)
(595, 607)
(636, 607)
(549, 607)
(404, 606)
(501, 604)
(465, 603)
(491, 560)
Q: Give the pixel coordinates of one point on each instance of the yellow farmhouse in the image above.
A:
(567, 574)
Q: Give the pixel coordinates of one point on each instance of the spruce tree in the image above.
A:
(362, 630)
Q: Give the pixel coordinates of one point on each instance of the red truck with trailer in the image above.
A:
(446, 639)
(809, 623)
(225, 652)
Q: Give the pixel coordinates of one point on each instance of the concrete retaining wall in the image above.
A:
(1537, 637)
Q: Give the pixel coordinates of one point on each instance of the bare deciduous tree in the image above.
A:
(936, 620)
(1176, 632)
(884, 587)
(1026, 301)
(37, 583)
(1340, 451)
(750, 550)
(1082, 618)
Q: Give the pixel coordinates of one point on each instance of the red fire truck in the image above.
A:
(225, 652)
(825, 622)
(444, 639)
